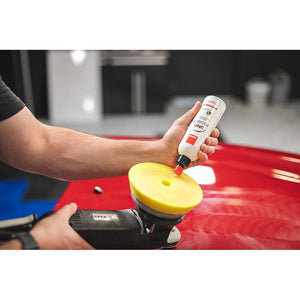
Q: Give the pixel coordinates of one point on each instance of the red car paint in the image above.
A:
(253, 204)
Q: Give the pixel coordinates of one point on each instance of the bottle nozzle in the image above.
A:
(178, 170)
(182, 162)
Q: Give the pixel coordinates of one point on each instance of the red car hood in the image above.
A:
(253, 204)
(251, 200)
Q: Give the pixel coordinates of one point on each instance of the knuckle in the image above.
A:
(202, 156)
(177, 122)
(209, 141)
(212, 141)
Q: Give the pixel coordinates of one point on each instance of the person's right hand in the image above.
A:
(172, 138)
(55, 232)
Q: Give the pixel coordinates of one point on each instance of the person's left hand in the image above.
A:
(173, 136)
(55, 232)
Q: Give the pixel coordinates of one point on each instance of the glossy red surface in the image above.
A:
(254, 202)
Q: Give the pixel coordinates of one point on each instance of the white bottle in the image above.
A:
(200, 128)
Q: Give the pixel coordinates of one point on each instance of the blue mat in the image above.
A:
(12, 204)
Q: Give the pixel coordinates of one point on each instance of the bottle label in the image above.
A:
(200, 125)
(210, 106)
(191, 139)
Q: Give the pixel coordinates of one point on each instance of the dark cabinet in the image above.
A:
(122, 84)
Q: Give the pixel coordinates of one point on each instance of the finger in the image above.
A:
(202, 156)
(67, 211)
(215, 133)
(210, 141)
(187, 118)
(207, 149)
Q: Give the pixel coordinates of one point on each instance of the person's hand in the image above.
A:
(176, 132)
(55, 232)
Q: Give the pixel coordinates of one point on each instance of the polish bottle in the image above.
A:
(200, 128)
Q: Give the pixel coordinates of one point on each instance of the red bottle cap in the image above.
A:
(178, 170)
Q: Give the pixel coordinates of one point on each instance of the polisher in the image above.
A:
(161, 202)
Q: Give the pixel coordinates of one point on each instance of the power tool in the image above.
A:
(161, 202)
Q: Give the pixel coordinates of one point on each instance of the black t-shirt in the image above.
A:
(10, 104)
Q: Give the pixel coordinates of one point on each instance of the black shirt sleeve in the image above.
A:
(10, 104)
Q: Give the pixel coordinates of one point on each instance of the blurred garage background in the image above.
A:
(140, 93)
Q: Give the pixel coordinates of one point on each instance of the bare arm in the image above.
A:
(71, 155)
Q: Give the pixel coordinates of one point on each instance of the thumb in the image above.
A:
(67, 211)
(187, 118)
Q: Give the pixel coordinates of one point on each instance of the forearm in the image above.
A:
(67, 154)
(73, 155)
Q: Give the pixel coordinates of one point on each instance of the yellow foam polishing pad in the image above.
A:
(156, 186)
